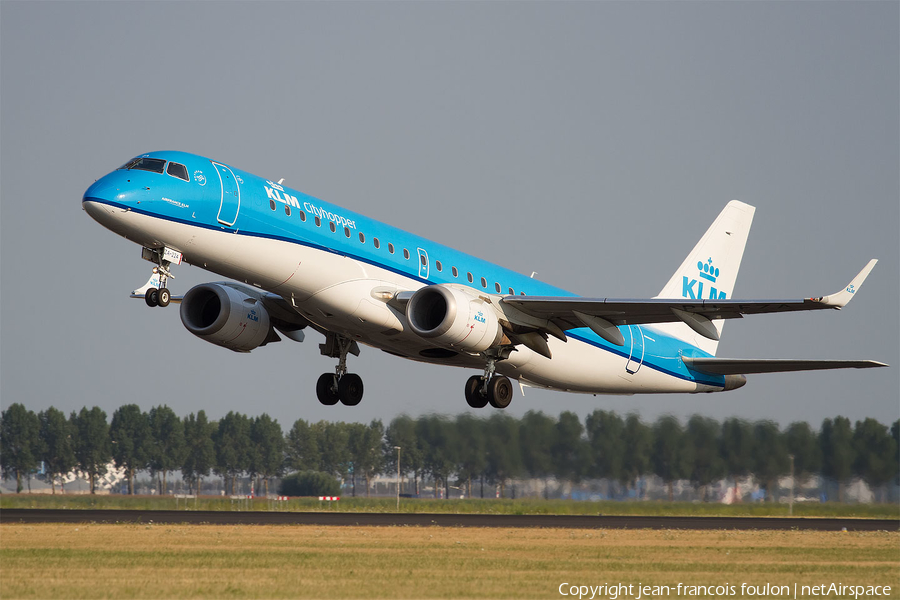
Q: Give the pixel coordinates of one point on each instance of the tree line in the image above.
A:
(461, 450)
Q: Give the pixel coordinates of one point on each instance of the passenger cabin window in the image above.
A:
(497, 287)
(390, 248)
(332, 226)
(469, 277)
(376, 242)
(271, 204)
(287, 210)
(406, 254)
(177, 170)
(422, 258)
(347, 231)
(483, 282)
(362, 238)
(512, 292)
(454, 271)
(438, 265)
(302, 216)
(155, 165)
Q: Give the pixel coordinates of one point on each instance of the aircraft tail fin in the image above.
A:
(710, 270)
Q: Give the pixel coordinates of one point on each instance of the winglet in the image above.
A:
(841, 298)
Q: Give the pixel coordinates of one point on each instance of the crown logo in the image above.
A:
(707, 270)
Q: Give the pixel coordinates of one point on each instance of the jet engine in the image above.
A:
(453, 318)
(226, 317)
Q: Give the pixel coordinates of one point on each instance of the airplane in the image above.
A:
(298, 262)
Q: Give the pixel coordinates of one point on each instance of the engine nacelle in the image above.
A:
(453, 318)
(225, 316)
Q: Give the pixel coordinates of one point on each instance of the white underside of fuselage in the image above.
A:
(341, 294)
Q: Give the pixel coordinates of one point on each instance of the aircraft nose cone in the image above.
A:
(96, 210)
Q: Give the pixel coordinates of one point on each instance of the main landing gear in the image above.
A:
(489, 388)
(340, 385)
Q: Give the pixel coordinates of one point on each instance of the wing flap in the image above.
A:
(744, 366)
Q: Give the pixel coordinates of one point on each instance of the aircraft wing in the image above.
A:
(603, 315)
(743, 366)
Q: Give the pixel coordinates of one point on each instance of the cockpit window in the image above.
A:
(156, 165)
(177, 170)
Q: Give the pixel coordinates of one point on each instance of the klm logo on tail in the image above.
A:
(693, 288)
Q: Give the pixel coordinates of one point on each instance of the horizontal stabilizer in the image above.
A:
(743, 366)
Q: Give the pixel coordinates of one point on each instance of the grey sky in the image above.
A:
(591, 142)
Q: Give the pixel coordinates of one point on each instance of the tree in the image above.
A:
(737, 448)
(537, 435)
(472, 446)
(771, 456)
(20, 443)
(301, 448)
(638, 440)
(333, 439)
(569, 451)
(402, 432)
(168, 449)
(707, 465)
(876, 454)
(803, 445)
(268, 440)
(672, 456)
(200, 453)
(605, 432)
(367, 451)
(93, 450)
(439, 443)
(504, 459)
(57, 444)
(232, 443)
(132, 442)
(836, 439)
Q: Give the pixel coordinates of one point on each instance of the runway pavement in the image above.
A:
(21, 515)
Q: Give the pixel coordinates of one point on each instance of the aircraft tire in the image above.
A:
(324, 390)
(164, 297)
(500, 392)
(350, 389)
(474, 398)
(151, 297)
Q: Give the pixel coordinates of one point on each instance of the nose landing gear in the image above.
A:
(341, 385)
(155, 292)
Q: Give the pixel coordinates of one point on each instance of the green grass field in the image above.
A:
(215, 561)
(472, 505)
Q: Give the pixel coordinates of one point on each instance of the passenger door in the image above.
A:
(231, 195)
(636, 356)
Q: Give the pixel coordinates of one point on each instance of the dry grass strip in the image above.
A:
(203, 561)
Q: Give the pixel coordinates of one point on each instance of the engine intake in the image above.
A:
(225, 316)
(453, 318)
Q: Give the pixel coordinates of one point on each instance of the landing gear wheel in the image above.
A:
(151, 297)
(500, 392)
(350, 389)
(474, 397)
(164, 297)
(325, 390)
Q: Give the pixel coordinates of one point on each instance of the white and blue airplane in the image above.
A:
(303, 262)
